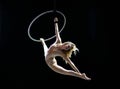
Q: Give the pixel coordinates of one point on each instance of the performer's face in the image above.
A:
(67, 46)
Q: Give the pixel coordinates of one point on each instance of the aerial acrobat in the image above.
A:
(64, 50)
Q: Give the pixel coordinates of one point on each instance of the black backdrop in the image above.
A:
(22, 62)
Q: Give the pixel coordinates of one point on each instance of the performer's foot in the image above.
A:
(85, 77)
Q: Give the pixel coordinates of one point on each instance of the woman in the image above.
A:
(63, 50)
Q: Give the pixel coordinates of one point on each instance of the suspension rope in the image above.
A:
(54, 8)
(46, 12)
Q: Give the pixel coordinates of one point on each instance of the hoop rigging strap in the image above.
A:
(46, 12)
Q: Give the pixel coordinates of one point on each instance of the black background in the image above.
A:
(22, 62)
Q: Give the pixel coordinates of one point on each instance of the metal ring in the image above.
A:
(46, 12)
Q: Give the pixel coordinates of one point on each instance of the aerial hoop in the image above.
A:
(46, 12)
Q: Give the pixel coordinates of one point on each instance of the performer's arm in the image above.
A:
(58, 38)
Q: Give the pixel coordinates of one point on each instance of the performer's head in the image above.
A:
(68, 47)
